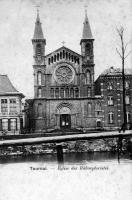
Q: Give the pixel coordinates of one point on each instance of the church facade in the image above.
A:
(64, 93)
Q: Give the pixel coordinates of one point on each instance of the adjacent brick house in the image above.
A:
(64, 95)
(109, 86)
(11, 117)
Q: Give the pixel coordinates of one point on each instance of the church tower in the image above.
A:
(39, 43)
(87, 55)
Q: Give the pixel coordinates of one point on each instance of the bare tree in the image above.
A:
(123, 55)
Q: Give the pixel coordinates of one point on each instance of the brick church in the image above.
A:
(64, 94)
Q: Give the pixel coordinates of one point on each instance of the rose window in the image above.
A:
(64, 74)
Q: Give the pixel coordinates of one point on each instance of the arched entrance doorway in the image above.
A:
(65, 118)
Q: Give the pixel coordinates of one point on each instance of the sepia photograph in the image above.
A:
(65, 99)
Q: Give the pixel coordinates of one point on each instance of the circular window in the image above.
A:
(64, 74)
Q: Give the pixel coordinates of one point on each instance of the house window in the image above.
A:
(127, 85)
(109, 86)
(118, 86)
(4, 106)
(39, 78)
(39, 92)
(128, 117)
(12, 124)
(111, 117)
(13, 106)
(127, 99)
(4, 124)
(110, 100)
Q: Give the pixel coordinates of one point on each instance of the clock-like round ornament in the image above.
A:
(64, 74)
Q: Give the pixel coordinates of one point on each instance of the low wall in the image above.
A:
(99, 145)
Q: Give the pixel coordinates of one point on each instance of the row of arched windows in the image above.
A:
(64, 92)
(63, 55)
(87, 78)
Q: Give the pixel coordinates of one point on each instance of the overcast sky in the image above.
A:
(62, 20)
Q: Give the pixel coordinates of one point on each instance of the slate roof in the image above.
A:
(116, 71)
(38, 33)
(87, 33)
(6, 86)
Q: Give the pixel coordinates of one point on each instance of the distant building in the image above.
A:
(64, 95)
(109, 85)
(11, 117)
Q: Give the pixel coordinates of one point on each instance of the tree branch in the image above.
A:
(126, 46)
(128, 54)
(119, 53)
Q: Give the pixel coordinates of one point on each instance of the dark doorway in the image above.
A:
(65, 121)
(98, 124)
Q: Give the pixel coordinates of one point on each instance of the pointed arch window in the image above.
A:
(40, 110)
(67, 92)
(71, 92)
(88, 48)
(38, 51)
(98, 106)
(39, 78)
(39, 92)
(88, 78)
(89, 92)
(52, 92)
(76, 92)
(57, 92)
(89, 108)
(62, 92)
